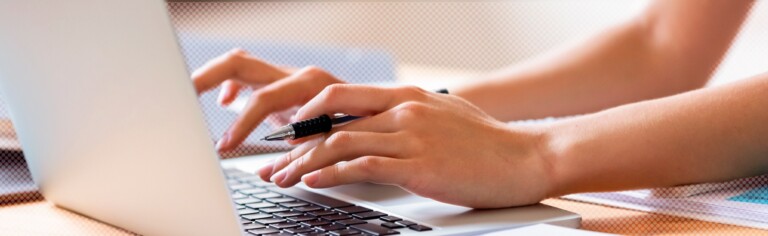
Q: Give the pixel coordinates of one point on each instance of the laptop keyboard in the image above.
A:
(266, 209)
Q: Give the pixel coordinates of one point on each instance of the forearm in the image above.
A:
(707, 135)
(673, 47)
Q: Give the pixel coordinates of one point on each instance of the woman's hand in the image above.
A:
(275, 89)
(435, 145)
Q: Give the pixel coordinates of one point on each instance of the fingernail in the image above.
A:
(311, 179)
(278, 178)
(221, 97)
(223, 142)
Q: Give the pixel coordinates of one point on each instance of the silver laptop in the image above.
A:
(111, 128)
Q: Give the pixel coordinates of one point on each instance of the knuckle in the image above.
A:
(413, 92)
(315, 73)
(339, 139)
(408, 111)
(333, 92)
(314, 70)
(368, 165)
(236, 55)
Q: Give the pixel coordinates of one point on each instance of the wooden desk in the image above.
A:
(43, 218)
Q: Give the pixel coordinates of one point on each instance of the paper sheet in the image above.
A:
(744, 205)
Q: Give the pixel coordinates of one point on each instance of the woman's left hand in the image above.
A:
(434, 145)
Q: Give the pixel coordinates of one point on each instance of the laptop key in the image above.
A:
(390, 218)
(247, 201)
(369, 215)
(260, 205)
(308, 208)
(419, 228)
(239, 186)
(252, 191)
(293, 204)
(267, 195)
(374, 229)
(250, 178)
(284, 225)
(352, 221)
(273, 209)
(280, 200)
(253, 226)
(298, 230)
(244, 221)
(405, 223)
(288, 214)
(261, 184)
(247, 211)
(269, 221)
(317, 222)
(229, 171)
(392, 225)
(345, 232)
(331, 227)
(352, 209)
(263, 231)
(238, 195)
(312, 197)
(301, 218)
(238, 174)
(336, 217)
(315, 233)
(322, 213)
(257, 216)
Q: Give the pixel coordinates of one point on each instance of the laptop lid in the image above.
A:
(108, 118)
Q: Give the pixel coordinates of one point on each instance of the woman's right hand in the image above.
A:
(275, 89)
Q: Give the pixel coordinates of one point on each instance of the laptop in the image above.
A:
(112, 129)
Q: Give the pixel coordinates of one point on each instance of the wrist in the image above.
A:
(549, 147)
(535, 160)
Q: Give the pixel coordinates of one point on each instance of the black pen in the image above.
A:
(320, 124)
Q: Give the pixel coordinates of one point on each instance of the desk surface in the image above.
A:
(43, 218)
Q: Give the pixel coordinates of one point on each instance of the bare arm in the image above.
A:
(674, 46)
(713, 134)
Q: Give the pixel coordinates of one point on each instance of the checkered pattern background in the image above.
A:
(336, 37)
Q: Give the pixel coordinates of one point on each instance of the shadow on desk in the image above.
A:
(16, 185)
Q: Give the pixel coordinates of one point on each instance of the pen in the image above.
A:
(320, 124)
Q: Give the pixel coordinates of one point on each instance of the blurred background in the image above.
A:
(404, 41)
(477, 36)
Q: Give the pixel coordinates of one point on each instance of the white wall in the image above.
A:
(473, 35)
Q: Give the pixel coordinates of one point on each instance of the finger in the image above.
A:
(291, 91)
(380, 123)
(340, 146)
(235, 64)
(374, 169)
(229, 91)
(384, 122)
(264, 101)
(358, 100)
(281, 162)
